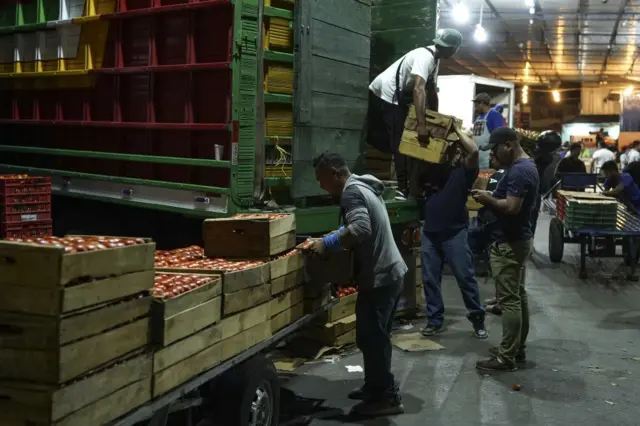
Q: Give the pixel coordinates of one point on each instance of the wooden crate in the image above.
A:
(208, 358)
(287, 317)
(287, 282)
(286, 264)
(345, 307)
(55, 268)
(335, 268)
(245, 299)
(231, 281)
(55, 351)
(319, 299)
(285, 301)
(248, 238)
(21, 297)
(96, 399)
(440, 126)
(338, 333)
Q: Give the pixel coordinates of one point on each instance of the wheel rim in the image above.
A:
(262, 406)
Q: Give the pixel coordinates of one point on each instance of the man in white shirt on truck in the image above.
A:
(410, 80)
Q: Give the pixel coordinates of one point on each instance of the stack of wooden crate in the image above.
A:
(74, 316)
(378, 163)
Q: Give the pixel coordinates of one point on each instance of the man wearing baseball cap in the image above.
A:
(487, 121)
(410, 80)
(513, 203)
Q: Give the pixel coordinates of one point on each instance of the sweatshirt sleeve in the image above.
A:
(356, 213)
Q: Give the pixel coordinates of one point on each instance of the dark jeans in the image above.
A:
(454, 247)
(535, 214)
(384, 132)
(375, 309)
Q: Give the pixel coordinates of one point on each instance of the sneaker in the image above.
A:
(494, 309)
(431, 329)
(521, 356)
(491, 301)
(480, 331)
(495, 363)
(378, 407)
(359, 394)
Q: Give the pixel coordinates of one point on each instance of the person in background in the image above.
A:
(564, 150)
(410, 80)
(620, 185)
(487, 121)
(500, 109)
(547, 143)
(624, 157)
(601, 156)
(572, 162)
(379, 272)
(633, 155)
(445, 236)
(634, 170)
(512, 202)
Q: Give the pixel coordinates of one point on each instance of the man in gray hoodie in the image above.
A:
(379, 272)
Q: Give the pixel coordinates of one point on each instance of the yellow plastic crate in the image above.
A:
(278, 171)
(278, 34)
(279, 79)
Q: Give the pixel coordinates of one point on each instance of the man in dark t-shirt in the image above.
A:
(572, 162)
(444, 236)
(513, 203)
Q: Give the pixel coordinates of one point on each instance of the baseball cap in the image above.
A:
(500, 136)
(482, 98)
(448, 37)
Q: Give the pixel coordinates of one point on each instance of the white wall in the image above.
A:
(592, 102)
(578, 129)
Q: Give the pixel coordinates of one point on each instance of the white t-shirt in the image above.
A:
(600, 157)
(633, 155)
(417, 62)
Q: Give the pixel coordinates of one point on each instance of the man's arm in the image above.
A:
(419, 99)
(470, 147)
(432, 97)
(517, 188)
(494, 120)
(358, 221)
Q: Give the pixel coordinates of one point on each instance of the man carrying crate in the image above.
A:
(379, 272)
(410, 80)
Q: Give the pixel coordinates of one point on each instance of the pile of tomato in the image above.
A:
(260, 216)
(166, 286)
(168, 258)
(13, 177)
(345, 291)
(80, 244)
(305, 245)
(224, 265)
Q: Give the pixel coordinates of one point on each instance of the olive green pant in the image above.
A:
(508, 268)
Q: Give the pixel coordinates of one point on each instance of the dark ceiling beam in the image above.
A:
(510, 36)
(614, 34)
(583, 5)
(543, 34)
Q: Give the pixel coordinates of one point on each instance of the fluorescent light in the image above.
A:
(556, 96)
(480, 34)
(531, 21)
(628, 91)
(532, 11)
(530, 3)
(460, 13)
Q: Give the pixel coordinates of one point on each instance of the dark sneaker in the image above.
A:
(480, 331)
(494, 309)
(495, 363)
(432, 330)
(359, 394)
(378, 407)
(491, 301)
(521, 356)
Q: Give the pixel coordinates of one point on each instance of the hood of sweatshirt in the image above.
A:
(370, 182)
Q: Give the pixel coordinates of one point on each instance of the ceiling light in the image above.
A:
(530, 3)
(532, 11)
(556, 96)
(628, 91)
(480, 35)
(531, 21)
(461, 13)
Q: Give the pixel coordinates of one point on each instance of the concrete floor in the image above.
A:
(584, 352)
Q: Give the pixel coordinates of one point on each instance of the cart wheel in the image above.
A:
(249, 394)
(556, 240)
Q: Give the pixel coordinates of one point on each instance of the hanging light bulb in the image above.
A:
(532, 11)
(530, 3)
(556, 96)
(480, 35)
(460, 13)
(628, 91)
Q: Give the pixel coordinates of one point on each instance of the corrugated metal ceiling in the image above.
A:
(563, 41)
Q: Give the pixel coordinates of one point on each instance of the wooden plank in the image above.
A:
(231, 280)
(286, 264)
(329, 333)
(287, 282)
(75, 359)
(348, 14)
(187, 322)
(285, 301)
(58, 269)
(203, 339)
(41, 404)
(245, 299)
(287, 317)
(340, 44)
(179, 373)
(339, 78)
(345, 307)
(165, 308)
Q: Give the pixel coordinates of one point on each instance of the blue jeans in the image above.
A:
(454, 247)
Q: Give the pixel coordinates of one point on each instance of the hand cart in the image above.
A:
(618, 226)
(241, 391)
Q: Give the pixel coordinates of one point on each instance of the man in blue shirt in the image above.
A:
(444, 236)
(487, 121)
(513, 203)
(620, 185)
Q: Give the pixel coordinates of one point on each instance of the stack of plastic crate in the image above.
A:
(584, 210)
(25, 205)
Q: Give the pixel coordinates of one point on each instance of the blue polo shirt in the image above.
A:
(521, 180)
(631, 191)
(445, 210)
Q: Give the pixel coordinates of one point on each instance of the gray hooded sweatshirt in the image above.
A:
(377, 260)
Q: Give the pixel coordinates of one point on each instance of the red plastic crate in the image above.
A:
(26, 230)
(23, 184)
(26, 199)
(26, 213)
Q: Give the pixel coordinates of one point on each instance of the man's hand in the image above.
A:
(423, 133)
(483, 197)
(317, 248)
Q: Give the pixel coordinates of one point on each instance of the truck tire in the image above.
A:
(249, 394)
(556, 240)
